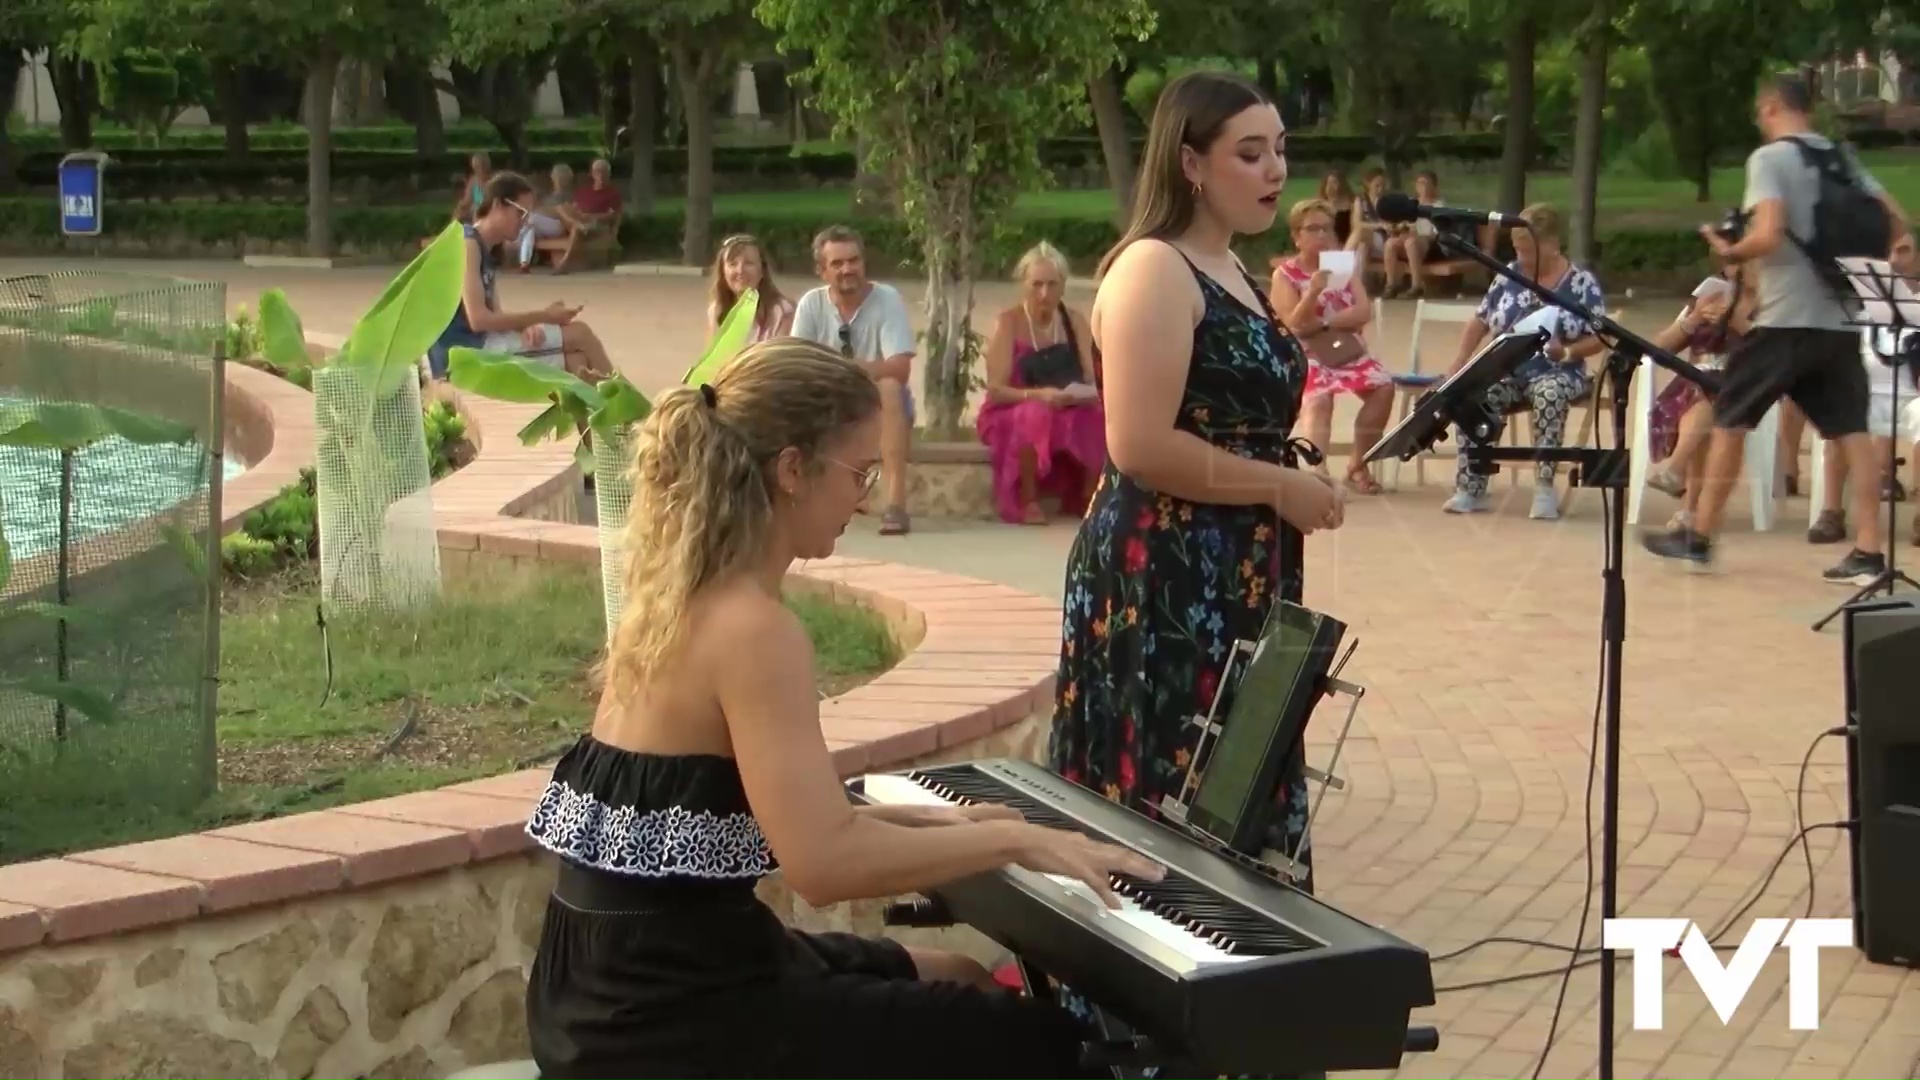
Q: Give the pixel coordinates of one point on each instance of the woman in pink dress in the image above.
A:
(1330, 318)
(742, 265)
(1041, 423)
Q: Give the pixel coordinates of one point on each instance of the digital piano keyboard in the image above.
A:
(1216, 963)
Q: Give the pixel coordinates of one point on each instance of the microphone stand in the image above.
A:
(1608, 471)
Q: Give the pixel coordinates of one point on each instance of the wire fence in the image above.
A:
(111, 466)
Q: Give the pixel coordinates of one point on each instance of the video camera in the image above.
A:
(1733, 225)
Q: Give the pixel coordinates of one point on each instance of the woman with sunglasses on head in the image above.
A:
(553, 334)
(741, 264)
(706, 770)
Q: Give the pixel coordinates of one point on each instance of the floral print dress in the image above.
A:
(1159, 588)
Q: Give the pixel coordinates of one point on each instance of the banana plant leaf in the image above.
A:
(411, 314)
(64, 425)
(504, 377)
(622, 406)
(728, 340)
(282, 339)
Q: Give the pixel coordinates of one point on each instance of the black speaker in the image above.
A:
(1882, 648)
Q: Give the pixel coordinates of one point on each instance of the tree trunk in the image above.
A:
(429, 127)
(643, 92)
(322, 70)
(1587, 133)
(1267, 75)
(693, 72)
(1116, 144)
(952, 350)
(74, 90)
(13, 60)
(1517, 154)
(230, 93)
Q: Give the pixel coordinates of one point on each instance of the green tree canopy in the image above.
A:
(954, 98)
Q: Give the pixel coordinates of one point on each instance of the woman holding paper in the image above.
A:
(1042, 424)
(1323, 301)
(1552, 381)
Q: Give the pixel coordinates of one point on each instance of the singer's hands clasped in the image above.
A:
(1310, 501)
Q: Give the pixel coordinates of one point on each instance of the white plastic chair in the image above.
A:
(1762, 443)
(1414, 381)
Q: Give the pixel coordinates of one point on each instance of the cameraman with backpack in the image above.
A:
(1808, 202)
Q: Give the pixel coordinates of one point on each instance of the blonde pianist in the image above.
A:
(706, 770)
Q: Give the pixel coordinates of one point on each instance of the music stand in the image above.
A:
(1592, 467)
(1887, 303)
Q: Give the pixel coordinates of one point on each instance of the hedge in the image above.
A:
(136, 172)
(179, 228)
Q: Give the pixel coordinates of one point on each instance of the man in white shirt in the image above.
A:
(867, 322)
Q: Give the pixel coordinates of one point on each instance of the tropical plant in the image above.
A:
(67, 428)
(372, 447)
(603, 410)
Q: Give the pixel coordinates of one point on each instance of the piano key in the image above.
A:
(895, 790)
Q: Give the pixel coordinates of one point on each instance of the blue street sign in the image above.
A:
(81, 189)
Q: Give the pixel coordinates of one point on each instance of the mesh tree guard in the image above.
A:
(378, 548)
(111, 461)
(613, 497)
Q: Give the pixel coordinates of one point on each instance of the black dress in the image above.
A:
(1159, 588)
(657, 959)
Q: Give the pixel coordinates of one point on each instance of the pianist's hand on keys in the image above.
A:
(1042, 849)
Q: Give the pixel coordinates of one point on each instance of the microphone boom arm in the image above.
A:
(1617, 338)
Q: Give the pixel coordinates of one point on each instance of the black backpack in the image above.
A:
(1848, 220)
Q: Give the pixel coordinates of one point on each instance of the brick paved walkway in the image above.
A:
(1463, 819)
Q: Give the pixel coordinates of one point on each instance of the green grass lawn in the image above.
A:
(1625, 201)
(493, 677)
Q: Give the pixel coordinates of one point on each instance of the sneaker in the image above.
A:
(1683, 543)
(1464, 503)
(1546, 505)
(1858, 568)
(1829, 528)
(894, 522)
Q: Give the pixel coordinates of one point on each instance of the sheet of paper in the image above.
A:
(1080, 390)
(1712, 287)
(1339, 267)
(1547, 318)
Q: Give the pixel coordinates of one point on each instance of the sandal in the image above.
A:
(1033, 515)
(1361, 482)
(894, 522)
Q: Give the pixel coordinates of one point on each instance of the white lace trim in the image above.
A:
(673, 841)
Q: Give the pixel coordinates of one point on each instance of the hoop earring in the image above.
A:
(1198, 189)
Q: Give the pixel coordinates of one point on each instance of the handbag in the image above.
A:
(1055, 367)
(1332, 348)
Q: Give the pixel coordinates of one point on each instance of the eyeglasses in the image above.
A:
(846, 340)
(869, 476)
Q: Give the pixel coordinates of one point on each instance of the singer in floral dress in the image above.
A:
(1158, 589)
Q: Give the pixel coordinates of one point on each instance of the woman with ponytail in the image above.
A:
(706, 770)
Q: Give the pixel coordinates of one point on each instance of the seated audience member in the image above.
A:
(595, 209)
(553, 334)
(1550, 383)
(474, 191)
(549, 220)
(706, 770)
(1709, 328)
(1883, 423)
(1331, 321)
(866, 322)
(741, 265)
(1337, 193)
(1041, 422)
(1410, 245)
(1369, 236)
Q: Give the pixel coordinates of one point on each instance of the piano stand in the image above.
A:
(1135, 1052)
(1423, 1039)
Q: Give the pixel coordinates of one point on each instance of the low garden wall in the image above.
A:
(393, 938)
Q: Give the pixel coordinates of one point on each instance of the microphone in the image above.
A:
(1397, 208)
